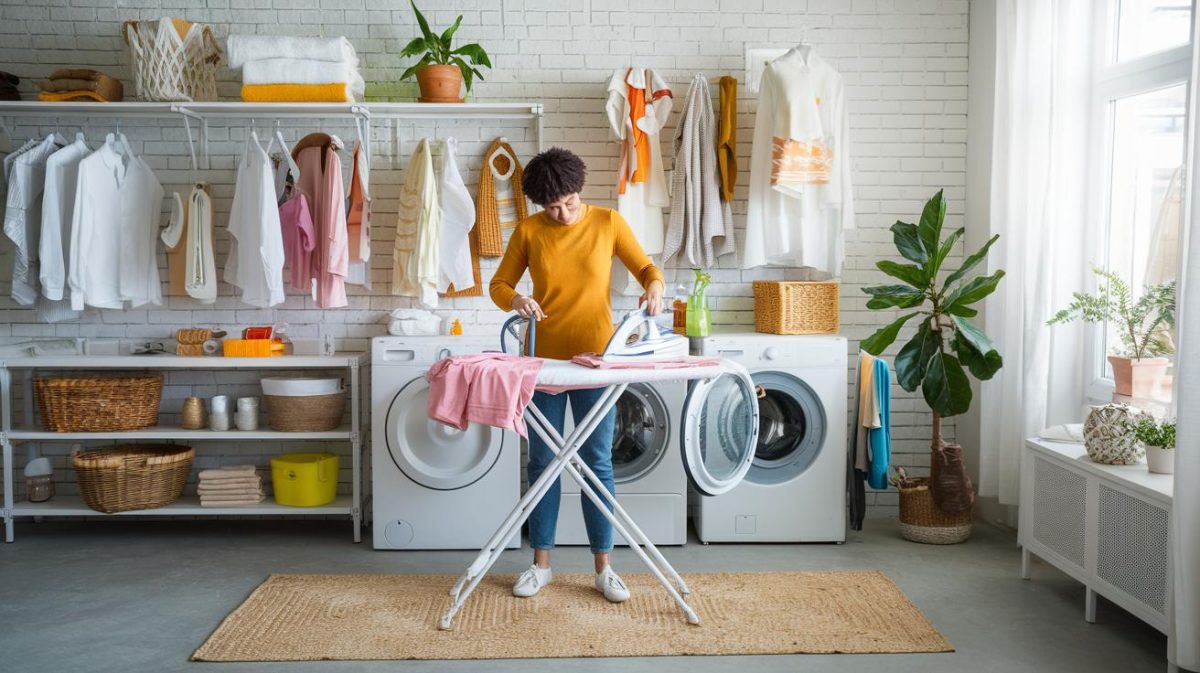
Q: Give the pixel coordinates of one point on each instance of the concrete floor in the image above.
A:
(141, 596)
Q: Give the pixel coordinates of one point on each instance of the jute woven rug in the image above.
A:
(356, 617)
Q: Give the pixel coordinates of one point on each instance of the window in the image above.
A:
(1141, 111)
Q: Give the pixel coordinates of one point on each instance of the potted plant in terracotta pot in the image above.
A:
(936, 359)
(1144, 325)
(442, 70)
(1159, 439)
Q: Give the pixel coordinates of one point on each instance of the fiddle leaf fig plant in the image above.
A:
(437, 49)
(947, 343)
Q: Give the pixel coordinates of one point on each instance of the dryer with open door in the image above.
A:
(720, 432)
(434, 486)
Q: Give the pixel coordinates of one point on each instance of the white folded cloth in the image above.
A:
(246, 48)
(249, 491)
(303, 71)
(1068, 432)
(241, 501)
(228, 471)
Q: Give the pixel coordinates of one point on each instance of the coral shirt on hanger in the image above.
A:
(321, 182)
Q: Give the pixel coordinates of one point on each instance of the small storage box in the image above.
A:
(796, 307)
(305, 479)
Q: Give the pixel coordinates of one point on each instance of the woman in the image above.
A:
(568, 249)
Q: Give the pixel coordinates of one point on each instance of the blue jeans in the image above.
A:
(596, 452)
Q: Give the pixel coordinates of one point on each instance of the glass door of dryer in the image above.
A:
(433, 454)
(720, 432)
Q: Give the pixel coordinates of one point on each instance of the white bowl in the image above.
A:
(296, 387)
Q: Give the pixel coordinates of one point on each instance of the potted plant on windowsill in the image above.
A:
(1159, 440)
(1144, 325)
(939, 509)
(442, 71)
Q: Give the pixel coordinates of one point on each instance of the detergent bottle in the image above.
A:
(698, 324)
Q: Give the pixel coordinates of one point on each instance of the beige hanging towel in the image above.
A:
(501, 201)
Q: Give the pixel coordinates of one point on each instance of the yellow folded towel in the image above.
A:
(337, 92)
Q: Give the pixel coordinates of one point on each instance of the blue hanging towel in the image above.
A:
(880, 439)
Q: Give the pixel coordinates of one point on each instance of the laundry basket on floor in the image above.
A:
(132, 476)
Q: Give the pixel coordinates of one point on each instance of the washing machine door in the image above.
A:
(791, 428)
(720, 431)
(432, 454)
(642, 432)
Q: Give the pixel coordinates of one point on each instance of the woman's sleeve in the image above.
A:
(503, 287)
(627, 248)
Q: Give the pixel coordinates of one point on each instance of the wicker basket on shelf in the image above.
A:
(311, 413)
(132, 476)
(98, 404)
(796, 307)
(922, 521)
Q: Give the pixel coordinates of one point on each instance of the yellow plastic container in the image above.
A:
(305, 479)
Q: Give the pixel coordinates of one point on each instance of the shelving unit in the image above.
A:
(72, 506)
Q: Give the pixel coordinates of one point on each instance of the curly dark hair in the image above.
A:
(552, 175)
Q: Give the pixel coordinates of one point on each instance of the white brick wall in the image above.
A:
(904, 62)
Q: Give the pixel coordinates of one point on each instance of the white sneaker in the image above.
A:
(610, 584)
(531, 581)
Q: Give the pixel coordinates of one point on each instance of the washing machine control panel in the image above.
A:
(783, 351)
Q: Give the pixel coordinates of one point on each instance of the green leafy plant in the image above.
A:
(436, 49)
(1155, 433)
(946, 340)
(1145, 325)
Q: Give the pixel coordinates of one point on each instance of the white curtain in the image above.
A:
(1039, 209)
(1186, 514)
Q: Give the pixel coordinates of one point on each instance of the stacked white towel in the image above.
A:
(304, 61)
(232, 486)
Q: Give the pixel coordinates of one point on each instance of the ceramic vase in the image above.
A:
(1160, 460)
(1108, 434)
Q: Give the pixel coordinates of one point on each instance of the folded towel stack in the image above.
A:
(232, 486)
(8, 86)
(280, 69)
(81, 84)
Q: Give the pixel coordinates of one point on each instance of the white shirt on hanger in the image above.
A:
(255, 262)
(800, 196)
(458, 218)
(23, 217)
(58, 205)
(114, 230)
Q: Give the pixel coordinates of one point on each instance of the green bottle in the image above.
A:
(698, 323)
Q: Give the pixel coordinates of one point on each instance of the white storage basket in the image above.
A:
(172, 59)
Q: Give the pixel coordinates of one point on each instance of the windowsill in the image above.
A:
(1158, 404)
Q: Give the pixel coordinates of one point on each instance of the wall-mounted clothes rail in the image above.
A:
(204, 112)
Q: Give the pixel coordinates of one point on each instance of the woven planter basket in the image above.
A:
(796, 307)
(98, 404)
(314, 413)
(922, 521)
(132, 476)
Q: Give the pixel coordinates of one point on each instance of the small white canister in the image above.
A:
(247, 413)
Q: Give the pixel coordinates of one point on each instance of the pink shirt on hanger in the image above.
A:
(321, 180)
(298, 239)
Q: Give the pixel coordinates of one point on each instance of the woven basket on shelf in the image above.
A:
(312, 413)
(132, 476)
(98, 404)
(796, 307)
(172, 59)
(922, 521)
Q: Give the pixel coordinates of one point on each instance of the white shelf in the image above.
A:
(335, 361)
(174, 433)
(188, 505)
(239, 109)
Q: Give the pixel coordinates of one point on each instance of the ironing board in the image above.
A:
(556, 376)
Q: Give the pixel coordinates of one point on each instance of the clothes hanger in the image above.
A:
(293, 167)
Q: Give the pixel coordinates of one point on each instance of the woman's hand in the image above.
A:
(653, 298)
(527, 308)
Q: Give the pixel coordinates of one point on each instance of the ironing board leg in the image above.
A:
(512, 524)
(618, 521)
(599, 487)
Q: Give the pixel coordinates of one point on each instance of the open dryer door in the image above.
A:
(432, 454)
(720, 431)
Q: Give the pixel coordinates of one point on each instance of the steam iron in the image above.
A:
(638, 338)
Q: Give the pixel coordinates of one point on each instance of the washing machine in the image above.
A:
(648, 471)
(434, 487)
(795, 490)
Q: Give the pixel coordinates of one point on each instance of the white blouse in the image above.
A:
(255, 262)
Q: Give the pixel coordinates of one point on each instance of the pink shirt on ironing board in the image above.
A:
(490, 388)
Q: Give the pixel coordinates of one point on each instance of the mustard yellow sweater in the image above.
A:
(570, 265)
